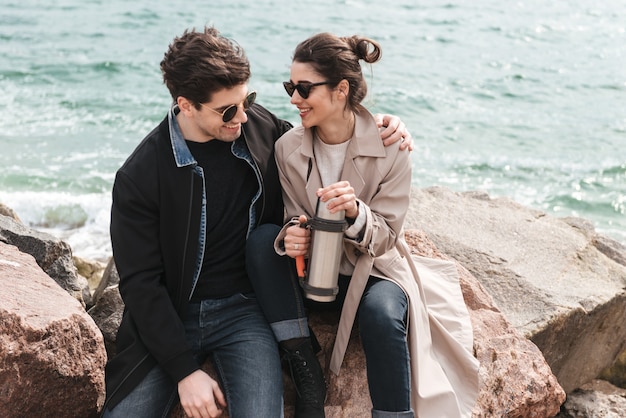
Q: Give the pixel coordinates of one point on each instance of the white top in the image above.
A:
(330, 159)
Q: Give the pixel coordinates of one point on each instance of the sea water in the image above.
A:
(521, 99)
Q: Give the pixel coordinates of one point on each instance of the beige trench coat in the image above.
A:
(444, 373)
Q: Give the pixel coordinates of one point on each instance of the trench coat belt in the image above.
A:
(355, 291)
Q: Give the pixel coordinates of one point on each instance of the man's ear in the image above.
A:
(184, 105)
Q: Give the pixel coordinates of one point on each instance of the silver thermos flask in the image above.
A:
(320, 283)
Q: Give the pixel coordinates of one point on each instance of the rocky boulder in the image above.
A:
(52, 354)
(596, 399)
(52, 254)
(92, 270)
(107, 314)
(556, 280)
(515, 379)
(110, 277)
(108, 306)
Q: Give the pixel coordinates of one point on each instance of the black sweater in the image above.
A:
(230, 186)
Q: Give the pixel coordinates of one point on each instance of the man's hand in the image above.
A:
(198, 395)
(394, 130)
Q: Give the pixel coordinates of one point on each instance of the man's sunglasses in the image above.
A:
(304, 88)
(229, 113)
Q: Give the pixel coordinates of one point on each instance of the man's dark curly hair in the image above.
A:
(198, 64)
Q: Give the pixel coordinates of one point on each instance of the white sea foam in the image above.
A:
(80, 220)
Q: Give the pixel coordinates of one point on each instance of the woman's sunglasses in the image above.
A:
(304, 88)
(229, 113)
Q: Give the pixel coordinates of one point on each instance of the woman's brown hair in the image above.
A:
(337, 58)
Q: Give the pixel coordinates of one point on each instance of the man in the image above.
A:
(184, 203)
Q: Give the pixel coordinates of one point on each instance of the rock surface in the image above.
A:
(90, 269)
(107, 314)
(52, 354)
(515, 379)
(596, 399)
(53, 255)
(110, 277)
(558, 282)
(616, 374)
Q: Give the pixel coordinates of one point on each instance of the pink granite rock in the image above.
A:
(52, 354)
(516, 380)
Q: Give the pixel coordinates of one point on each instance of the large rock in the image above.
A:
(107, 314)
(515, 380)
(108, 306)
(52, 254)
(52, 354)
(557, 281)
(92, 270)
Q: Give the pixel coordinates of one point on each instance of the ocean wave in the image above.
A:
(82, 220)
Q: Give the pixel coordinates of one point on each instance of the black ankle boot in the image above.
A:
(308, 378)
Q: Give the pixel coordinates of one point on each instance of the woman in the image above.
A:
(418, 361)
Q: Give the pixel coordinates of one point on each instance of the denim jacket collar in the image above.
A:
(182, 155)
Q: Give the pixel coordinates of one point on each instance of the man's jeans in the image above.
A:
(235, 333)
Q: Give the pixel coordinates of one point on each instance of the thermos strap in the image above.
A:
(327, 225)
(318, 291)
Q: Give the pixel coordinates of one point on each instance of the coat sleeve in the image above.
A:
(137, 254)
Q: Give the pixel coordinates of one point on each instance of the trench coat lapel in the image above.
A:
(314, 180)
(365, 143)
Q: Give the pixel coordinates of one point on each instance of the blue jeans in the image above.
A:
(382, 322)
(234, 332)
(382, 319)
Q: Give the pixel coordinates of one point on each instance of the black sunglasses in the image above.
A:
(229, 113)
(304, 88)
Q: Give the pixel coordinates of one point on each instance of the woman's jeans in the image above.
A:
(234, 332)
(382, 318)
